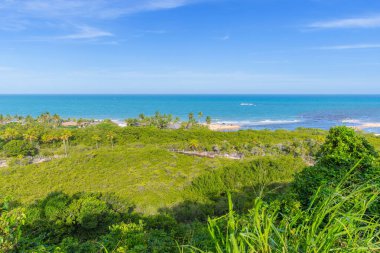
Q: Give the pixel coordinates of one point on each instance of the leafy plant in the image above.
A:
(16, 148)
(11, 222)
(326, 226)
(343, 148)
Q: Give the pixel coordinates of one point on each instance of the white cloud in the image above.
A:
(353, 46)
(16, 15)
(9, 23)
(227, 37)
(85, 8)
(86, 32)
(155, 31)
(364, 22)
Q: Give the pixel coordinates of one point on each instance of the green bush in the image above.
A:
(327, 226)
(17, 148)
(342, 150)
(126, 237)
(259, 172)
(2, 143)
(137, 238)
(87, 212)
(11, 222)
(60, 215)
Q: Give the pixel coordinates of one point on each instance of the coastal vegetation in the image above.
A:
(162, 185)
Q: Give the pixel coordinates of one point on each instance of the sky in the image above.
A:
(190, 46)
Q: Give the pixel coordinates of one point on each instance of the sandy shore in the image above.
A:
(368, 125)
(223, 127)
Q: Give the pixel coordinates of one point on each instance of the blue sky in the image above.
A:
(189, 46)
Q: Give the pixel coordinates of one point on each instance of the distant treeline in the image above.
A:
(157, 120)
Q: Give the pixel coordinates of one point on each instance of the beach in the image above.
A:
(368, 125)
(222, 127)
(269, 111)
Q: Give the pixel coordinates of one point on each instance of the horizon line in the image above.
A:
(184, 94)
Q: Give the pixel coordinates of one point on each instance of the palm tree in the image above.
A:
(43, 118)
(30, 135)
(29, 119)
(65, 136)
(132, 122)
(208, 120)
(111, 137)
(57, 120)
(141, 116)
(200, 116)
(8, 118)
(191, 120)
(194, 144)
(47, 138)
(18, 118)
(10, 134)
(169, 120)
(96, 138)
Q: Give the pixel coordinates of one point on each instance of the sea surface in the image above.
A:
(249, 111)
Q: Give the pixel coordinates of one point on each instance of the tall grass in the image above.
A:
(336, 221)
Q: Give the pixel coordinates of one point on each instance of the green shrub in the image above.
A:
(87, 212)
(341, 151)
(2, 143)
(17, 148)
(327, 226)
(137, 238)
(343, 148)
(60, 215)
(11, 222)
(259, 172)
(124, 237)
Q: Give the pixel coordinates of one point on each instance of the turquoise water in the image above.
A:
(250, 111)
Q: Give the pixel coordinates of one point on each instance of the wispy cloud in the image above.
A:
(11, 23)
(140, 34)
(352, 46)
(48, 18)
(226, 37)
(363, 22)
(155, 31)
(86, 32)
(86, 8)
(222, 38)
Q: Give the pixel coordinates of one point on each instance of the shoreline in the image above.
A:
(222, 127)
(368, 125)
(218, 125)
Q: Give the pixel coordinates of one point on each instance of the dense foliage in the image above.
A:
(11, 222)
(342, 150)
(326, 226)
(98, 187)
(17, 148)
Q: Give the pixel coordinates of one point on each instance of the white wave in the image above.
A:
(119, 122)
(247, 104)
(260, 123)
(351, 121)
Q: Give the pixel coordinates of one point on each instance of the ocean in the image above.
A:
(249, 111)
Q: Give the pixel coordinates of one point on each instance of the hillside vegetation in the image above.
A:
(104, 188)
